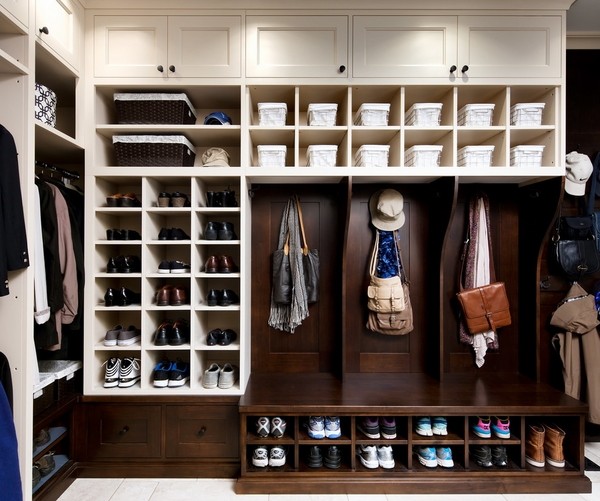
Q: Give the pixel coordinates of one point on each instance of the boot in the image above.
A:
(534, 447)
(553, 445)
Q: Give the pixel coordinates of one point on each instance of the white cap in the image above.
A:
(579, 170)
(386, 208)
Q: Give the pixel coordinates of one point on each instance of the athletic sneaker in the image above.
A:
(160, 374)
(444, 457)
(260, 457)
(482, 455)
(263, 426)
(385, 456)
(332, 427)
(368, 456)
(426, 456)
(277, 456)
(130, 372)
(316, 427)
(129, 336)
(278, 426)
(179, 374)
(210, 379)
(369, 426)
(423, 427)
(387, 425)
(482, 427)
(110, 339)
(333, 457)
(228, 375)
(439, 426)
(501, 427)
(111, 372)
(499, 456)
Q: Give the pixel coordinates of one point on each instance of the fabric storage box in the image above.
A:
(526, 113)
(424, 114)
(45, 105)
(527, 155)
(372, 114)
(475, 156)
(271, 155)
(372, 155)
(322, 155)
(273, 114)
(323, 114)
(478, 115)
(154, 108)
(154, 151)
(423, 155)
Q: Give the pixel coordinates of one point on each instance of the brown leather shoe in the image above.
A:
(163, 295)
(226, 264)
(178, 296)
(211, 265)
(553, 445)
(534, 447)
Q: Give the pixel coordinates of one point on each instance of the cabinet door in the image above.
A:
(404, 46)
(130, 46)
(18, 8)
(510, 46)
(296, 46)
(59, 26)
(205, 46)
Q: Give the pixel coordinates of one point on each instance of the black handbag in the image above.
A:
(577, 258)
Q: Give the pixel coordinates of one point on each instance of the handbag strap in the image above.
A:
(592, 196)
(304, 243)
(373, 263)
(401, 270)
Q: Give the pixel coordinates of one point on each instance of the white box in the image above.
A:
(322, 114)
(526, 114)
(271, 155)
(322, 155)
(475, 156)
(372, 155)
(272, 114)
(476, 115)
(45, 102)
(422, 155)
(527, 155)
(424, 115)
(372, 114)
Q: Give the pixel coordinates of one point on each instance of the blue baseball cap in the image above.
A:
(217, 118)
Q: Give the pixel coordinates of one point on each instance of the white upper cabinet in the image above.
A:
(451, 47)
(59, 27)
(18, 8)
(167, 46)
(297, 46)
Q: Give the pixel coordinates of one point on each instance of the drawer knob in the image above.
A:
(452, 68)
(202, 431)
(464, 69)
(172, 69)
(44, 30)
(160, 68)
(342, 68)
(124, 430)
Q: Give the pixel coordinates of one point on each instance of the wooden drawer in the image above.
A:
(117, 431)
(202, 431)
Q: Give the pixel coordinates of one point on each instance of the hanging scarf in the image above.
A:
(287, 317)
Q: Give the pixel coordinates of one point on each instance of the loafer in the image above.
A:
(130, 264)
(178, 234)
(227, 337)
(130, 235)
(211, 231)
(114, 264)
(214, 337)
(211, 265)
(164, 233)
(227, 298)
(177, 297)
(127, 297)
(114, 234)
(226, 265)
(212, 298)
(179, 333)
(128, 200)
(163, 295)
(163, 333)
(225, 231)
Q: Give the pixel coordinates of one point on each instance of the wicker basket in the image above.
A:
(154, 108)
(154, 151)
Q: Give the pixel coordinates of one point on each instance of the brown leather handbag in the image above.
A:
(485, 308)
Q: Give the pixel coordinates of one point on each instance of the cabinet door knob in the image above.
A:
(342, 68)
(452, 68)
(202, 431)
(172, 69)
(44, 30)
(124, 430)
(464, 69)
(160, 68)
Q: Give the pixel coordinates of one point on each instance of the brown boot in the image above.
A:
(534, 447)
(553, 447)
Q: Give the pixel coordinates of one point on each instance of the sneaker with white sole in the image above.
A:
(278, 426)
(426, 456)
(179, 374)
(387, 425)
(444, 457)
(481, 428)
(501, 427)
(423, 427)
(260, 457)
(369, 427)
(368, 456)
(332, 427)
(210, 379)
(277, 456)
(130, 372)
(111, 372)
(316, 427)
(385, 456)
(263, 426)
(439, 425)
(160, 374)
(228, 376)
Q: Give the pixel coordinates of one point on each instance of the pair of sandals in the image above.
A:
(221, 337)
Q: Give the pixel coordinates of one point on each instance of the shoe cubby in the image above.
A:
(109, 318)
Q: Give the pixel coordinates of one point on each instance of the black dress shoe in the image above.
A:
(164, 234)
(214, 337)
(229, 199)
(130, 264)
(115, 264)
(213, 297)
(127, 297)
(163, 333)
(228, 336)
(227, 298)
(110, 297)
(225, 231)
(211, 230)
(179, 333)
(114, 234)
(210, 198)
(130, 235)
(178, 234)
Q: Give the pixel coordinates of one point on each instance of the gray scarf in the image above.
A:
(287, 317)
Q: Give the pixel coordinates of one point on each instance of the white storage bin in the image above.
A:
(45, 105)
(526, 114)
(372, 114)
(372, 155)
(476, 115)
(422, 155)
(527, 155)
(424, 114)
(475, 156)
(273, 114)
(321, 155)
(322, 114)
(271, 155)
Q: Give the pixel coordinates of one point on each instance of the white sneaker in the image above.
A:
(368, 456)
(227, 376)
(111, 373)
(211, 376)
(385, 456)
(130, 372)
(277, 456)
(316, 427)
(260, 457)
(278, 426)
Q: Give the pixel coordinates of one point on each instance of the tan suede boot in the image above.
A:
(553, 445)
(534, 447)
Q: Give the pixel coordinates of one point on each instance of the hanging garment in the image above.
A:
(10, 476)
(41, 309)
(577, 318)
(14, 254)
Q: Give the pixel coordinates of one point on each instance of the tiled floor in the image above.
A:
(166, 489)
